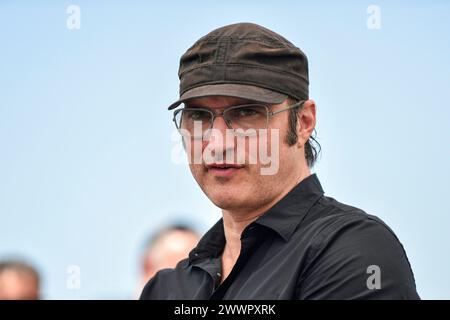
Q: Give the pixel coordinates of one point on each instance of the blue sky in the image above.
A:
(86, 140)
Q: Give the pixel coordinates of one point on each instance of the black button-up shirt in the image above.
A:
(307, 246)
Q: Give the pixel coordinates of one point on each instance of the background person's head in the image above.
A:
(166, 248)
(248, 64)
(18, 281)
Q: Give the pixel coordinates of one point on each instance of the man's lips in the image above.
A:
(223, 169)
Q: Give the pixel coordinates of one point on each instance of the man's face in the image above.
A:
(245, 187)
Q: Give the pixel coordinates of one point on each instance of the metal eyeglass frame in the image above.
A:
(229, 125)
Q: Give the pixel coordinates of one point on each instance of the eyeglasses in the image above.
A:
(196, 121)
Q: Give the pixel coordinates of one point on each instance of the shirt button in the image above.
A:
(218, 274)
(196, 254)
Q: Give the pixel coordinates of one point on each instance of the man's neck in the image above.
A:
(234, 222)
(233, 227)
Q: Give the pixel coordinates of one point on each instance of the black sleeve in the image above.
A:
(146, 292)
(357, 258)
(154, 289)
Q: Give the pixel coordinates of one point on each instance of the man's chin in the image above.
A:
(226, 199)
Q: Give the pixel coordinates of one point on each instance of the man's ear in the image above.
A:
(306, 122)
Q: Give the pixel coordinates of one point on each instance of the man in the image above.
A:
(18, 281)
(280, 237)
(165, 249)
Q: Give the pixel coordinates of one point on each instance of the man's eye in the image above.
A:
(246, 112)
(196, 115)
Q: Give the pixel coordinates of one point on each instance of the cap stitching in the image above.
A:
(246, 65)
(252, 39)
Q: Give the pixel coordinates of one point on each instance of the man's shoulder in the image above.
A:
(345, 242)
(334, 225)
(329, 216)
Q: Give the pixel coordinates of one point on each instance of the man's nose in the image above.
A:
(218, 139)
(219, 123)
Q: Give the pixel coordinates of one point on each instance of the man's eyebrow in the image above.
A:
(193, 105)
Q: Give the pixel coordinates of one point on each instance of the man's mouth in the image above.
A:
(223, 169)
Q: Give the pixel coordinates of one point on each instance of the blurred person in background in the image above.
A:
(18, 281)
(165, 249)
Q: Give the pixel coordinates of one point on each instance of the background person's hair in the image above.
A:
(312, 146)
(20, 267)
(151, 241)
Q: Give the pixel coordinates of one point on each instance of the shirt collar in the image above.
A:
(283, 218)
(286, 214)
(210, 245)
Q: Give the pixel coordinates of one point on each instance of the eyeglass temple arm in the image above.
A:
(295, 105)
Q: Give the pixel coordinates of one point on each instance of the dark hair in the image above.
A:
(312, 146)
(20, 267)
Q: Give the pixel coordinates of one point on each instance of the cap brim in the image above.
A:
(243, 91)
